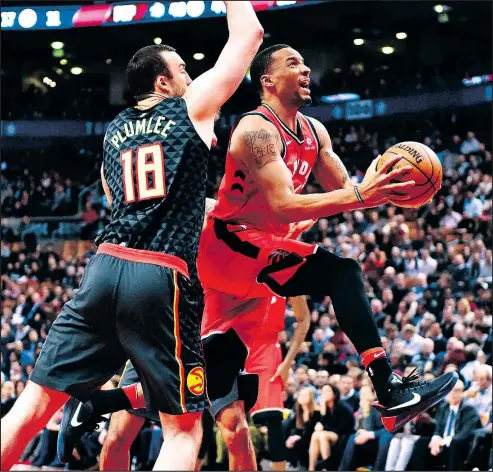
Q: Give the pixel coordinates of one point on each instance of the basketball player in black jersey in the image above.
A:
(136, 300)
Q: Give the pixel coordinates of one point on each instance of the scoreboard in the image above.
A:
(79, 16)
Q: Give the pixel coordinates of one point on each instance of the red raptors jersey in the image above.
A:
(239, 199)
(274, 321)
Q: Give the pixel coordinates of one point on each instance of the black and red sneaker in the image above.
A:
(408, 397)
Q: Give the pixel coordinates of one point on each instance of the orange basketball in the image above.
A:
(427, 172)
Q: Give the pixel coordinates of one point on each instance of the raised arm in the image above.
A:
(208, 92)
(329, 169)
(257, 144)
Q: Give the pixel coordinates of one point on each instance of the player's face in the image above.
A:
(291, 77)
(179, 81)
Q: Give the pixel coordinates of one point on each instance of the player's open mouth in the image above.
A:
(305, 85)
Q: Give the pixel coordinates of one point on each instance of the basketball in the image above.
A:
(427, 172)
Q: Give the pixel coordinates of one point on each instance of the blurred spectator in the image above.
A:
(349, 396)
(336, 423)
(412, 340)
(300, 427)
(470, 144)
(455, 421)
(369, 445)
(480, 393)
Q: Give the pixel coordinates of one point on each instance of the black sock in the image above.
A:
(379, 371)
(104, 401)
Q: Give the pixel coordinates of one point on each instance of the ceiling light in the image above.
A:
(108, 61)
(401, 35)
(443, 18)
(76, 70)
(57, 45)
(59, 71)
(387, 49)
(158, 40)
(52, 84)
(438, 8)
(63, 62)
(358, 41)
(46, 80)
(198, 56)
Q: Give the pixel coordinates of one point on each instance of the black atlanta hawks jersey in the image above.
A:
(155, 165)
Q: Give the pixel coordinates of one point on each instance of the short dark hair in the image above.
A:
(145, 65)
(261, 64)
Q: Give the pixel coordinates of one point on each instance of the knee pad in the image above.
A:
(276, 440)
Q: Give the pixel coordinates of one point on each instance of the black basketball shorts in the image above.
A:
(131, 304)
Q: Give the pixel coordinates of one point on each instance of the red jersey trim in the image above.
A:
(146, 257)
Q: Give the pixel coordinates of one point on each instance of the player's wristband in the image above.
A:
(358, 195)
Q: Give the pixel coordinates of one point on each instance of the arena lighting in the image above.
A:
(63, 62)
(27, 18)
(76, 70)
(57, 45)
(387, 49)
(195, 9)
(401, 35)
(340, 97)
(443, 18)
(477, 80)
(358, 41)
(157, 10)
(52, 84)
(198, 56)
(46, 80)
(158, 40)
(438, 8)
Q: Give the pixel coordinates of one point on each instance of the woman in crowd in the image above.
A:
(300, 426)
(335, 425)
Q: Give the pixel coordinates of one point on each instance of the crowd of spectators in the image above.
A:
(428, 275)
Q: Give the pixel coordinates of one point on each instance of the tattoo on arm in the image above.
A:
(340, 166)
(263, 146)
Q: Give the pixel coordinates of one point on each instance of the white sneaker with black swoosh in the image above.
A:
(408, 397)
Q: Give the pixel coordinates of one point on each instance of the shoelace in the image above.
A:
(412, 380)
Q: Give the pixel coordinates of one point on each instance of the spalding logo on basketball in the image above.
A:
(195, 380)
(426, 172)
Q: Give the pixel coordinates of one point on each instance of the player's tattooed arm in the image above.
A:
(329, 169)
(274, 180)
(263, 145)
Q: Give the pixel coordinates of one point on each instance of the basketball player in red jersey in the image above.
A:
(246, 256)
(265, 360)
